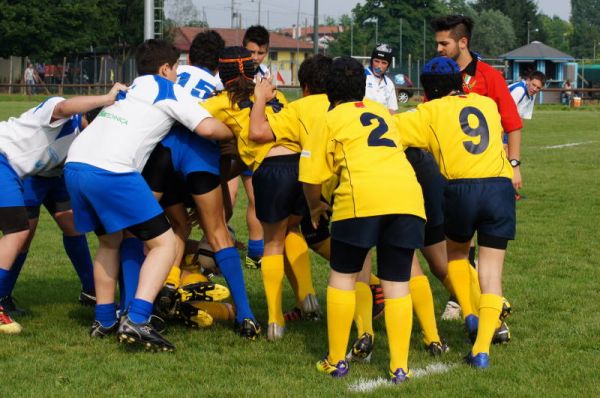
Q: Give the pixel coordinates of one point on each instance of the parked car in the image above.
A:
(401, 80)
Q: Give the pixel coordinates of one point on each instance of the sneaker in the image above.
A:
(249, 328)
(294, 314)
(400, 376)
(97, 330)
(506, 309)
(144, 334)
(451, 312)
(203, 291)
(361, 350)
(275, 332)
(166, 301)
(438, 348)
(502, 334)
(7, 325)
(310, 308)
(87, 299)
(339, 370)
(158, 323)
(472, 324)
(193, 317)
(10, 307)
(253, 263)
(378, 301)
(479, 361)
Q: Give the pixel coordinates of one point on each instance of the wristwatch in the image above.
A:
(515, 162)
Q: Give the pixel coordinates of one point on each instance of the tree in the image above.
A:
(558, 32)
(184, 13)
(493, 34)
(524, 16)
(585, 18)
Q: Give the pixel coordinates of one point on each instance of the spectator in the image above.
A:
(29, 77)
(566, 95)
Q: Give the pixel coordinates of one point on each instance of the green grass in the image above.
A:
(551, 278)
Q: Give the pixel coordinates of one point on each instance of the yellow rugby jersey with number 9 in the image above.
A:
(360, 144)
(462, 132)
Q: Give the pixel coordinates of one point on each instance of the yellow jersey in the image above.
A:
(462, 132)
(360, 144)
(237, 118)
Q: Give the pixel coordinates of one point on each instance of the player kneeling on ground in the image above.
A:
(464, 134)
(361, 145)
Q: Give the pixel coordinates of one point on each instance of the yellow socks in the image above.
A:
(475, 290)
(398, 323)
(373, 279)
(289, 274)
(218, 311)
(489, 311)
(296, 251)
(422, 301)
(460, 278)
(340, 310)
(363, 313)
(272, 273)
(174, 276)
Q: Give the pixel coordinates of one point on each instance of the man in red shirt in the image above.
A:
(453, 36)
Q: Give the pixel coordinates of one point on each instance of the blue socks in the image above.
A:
(140, 310)
(106, 314)
(256, 248)
(229, 263)
(79, 253)
(4, 282)
(14, 272)
(132, 257)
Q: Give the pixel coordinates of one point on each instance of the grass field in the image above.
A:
(552, 277)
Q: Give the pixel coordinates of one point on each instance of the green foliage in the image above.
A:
(558, 32)
(585, 18)
(493, 34)
(520, 12)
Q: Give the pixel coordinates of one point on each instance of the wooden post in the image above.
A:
(62, 79)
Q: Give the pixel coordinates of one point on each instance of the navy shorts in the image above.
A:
(277, 191)
(312, 235)
(433, 185)
(485, 205)
(107, 201)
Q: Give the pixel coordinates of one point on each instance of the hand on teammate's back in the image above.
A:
(264, 90)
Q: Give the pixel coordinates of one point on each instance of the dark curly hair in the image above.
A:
(256, 34)
(346, 81)
(313, 73)
(152, 54)
(459, 26)
(205, 49)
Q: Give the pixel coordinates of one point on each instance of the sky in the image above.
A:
(284, 13)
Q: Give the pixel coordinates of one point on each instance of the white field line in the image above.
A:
(369, 385)
(567, 145)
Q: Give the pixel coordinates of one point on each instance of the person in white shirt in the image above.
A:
(379, 87)
(109, 194)
(524, 93)
(32, 144)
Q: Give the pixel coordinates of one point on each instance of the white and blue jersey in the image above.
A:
(262, 72)
(122, 136)
(381, 89)
(198, 81)
(34, 144)
(524, 102)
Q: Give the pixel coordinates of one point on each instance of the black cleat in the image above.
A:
(97, 330)
(166, 301)
(502, 334)
(203, 291)
(438, 348)
(87, 299)
(249, 329)
(362, 349)
(192, 316)
(10, 307)
(144, 334)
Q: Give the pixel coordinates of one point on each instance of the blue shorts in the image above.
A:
(11, 194)
(247, 173)
(191, 153)
(103, 200)
(485, 205)
(40, 190)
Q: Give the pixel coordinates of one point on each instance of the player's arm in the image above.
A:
(317, 208)
(413, 127)
(72, 106)
(514, 152)
(213, 129)
(260, 130)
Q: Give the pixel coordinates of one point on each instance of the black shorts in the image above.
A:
(312, 235)
(393, 263)
(485, 205)
(277, 191)
(400, 230)
(159, 171)
(433, 185)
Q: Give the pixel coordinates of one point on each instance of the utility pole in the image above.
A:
(400, 44)
(316, 28)
(148, 19)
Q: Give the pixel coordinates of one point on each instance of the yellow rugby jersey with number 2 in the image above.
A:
(237, 118)
(462, 132)
(360, 144)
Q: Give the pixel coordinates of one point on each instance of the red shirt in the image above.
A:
(483, 79)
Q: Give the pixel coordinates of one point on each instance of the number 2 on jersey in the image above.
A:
(375, 137)
(480, 131)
